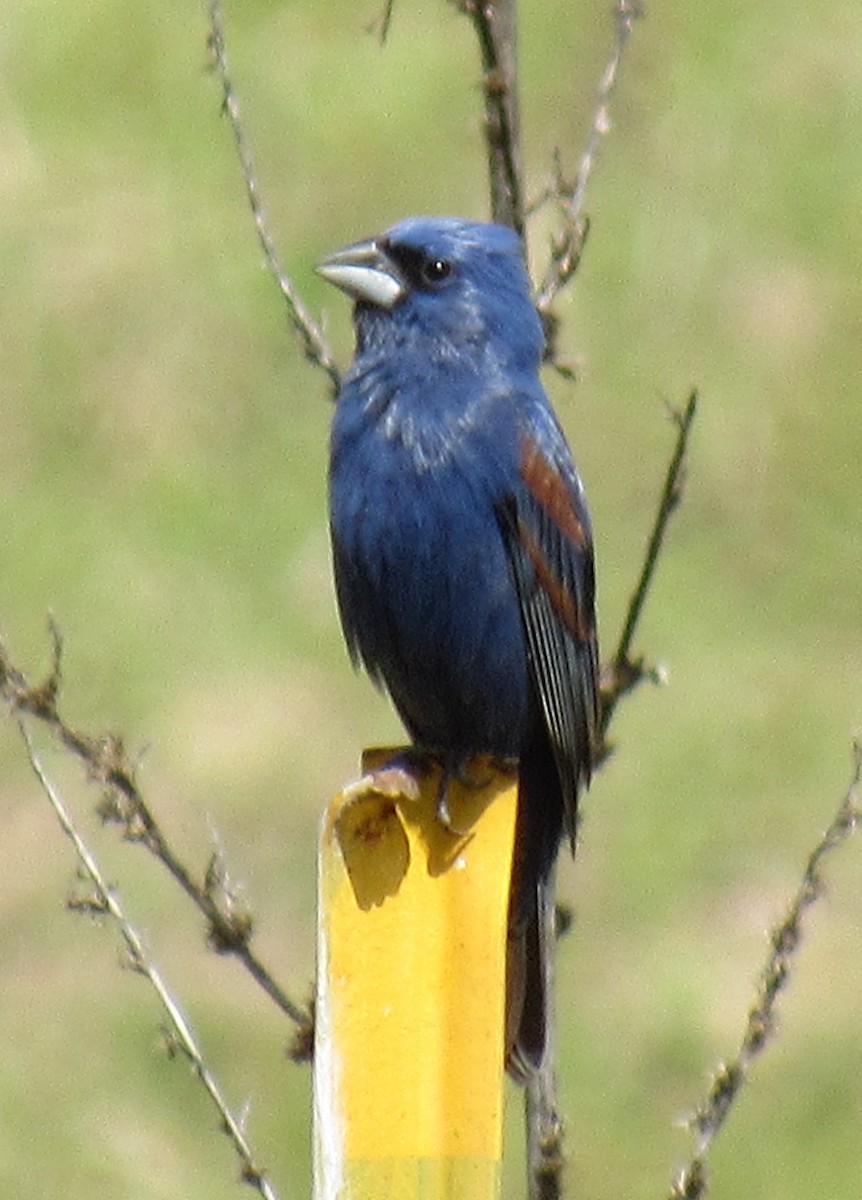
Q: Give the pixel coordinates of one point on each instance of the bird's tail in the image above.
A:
(530, 986)
(530, 950)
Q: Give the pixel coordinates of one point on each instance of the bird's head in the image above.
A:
(446, 285)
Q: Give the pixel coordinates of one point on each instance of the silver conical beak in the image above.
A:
(365, 272)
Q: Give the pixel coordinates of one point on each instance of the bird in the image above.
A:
(462, 547)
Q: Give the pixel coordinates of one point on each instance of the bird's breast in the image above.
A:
(424, 585)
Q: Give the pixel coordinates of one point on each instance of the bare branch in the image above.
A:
(545, 1157)
(570, 196)
(543, 1126)
(312, 340)
(181, 1036)
(229, 925)
(384, 22)
(567, 244)
(623, 674)
(495, 23)
(785, 940)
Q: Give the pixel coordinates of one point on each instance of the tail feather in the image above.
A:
(530, 952)
(530, 987)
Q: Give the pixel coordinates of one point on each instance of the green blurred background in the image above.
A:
(162, 492)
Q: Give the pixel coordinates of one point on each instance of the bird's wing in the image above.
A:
(546, 531)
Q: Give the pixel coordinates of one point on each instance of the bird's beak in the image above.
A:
(366, 273)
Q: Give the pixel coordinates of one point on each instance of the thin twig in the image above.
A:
(691, 1182)
(543, 1125)
(625, 14)
(623, 673)
(570, 196)
(495, 23)
(229, 924)
(181, 1036)
(385, 21)
(545, 1157)
(314, 344)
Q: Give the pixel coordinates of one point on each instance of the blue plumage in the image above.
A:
(461, 540)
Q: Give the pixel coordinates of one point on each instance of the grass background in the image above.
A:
(162, 492)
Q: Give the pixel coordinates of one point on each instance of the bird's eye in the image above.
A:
(435, 270)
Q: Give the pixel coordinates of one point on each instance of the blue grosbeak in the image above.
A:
(462, 546)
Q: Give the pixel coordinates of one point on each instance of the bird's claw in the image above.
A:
(444, 816)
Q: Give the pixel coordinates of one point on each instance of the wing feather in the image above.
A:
(546, 531)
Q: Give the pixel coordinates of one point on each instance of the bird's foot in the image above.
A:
(473, 774)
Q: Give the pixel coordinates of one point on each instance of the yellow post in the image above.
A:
(409, 1031)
